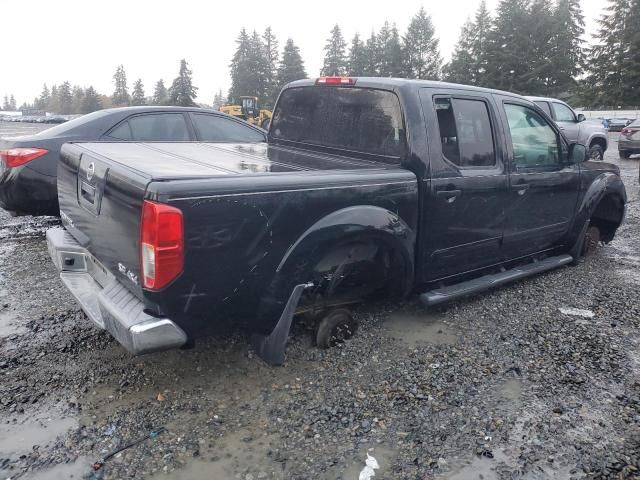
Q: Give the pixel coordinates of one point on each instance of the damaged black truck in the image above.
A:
(366, 188)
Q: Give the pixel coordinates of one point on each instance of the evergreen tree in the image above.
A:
(508, 52)
(482, 25)
(12, 103)
(54, 100)
(540, 30)
(371, 56)
(461, 67)
(335, 63)
(43, 100)
(422, 53)
(160, 94)
(91, 101)
(258, 66)
(182, 91)
(137, 96)
(393, 64)
(357, 57)
(244, 77)
(382, 39)
(271, 66)
(121, 92)
(218, 100)
(567, 55)
(633, 61)
(77, 94)
(65, 98)
(5, 104)
(291, 67)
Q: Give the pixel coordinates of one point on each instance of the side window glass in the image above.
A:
(216, 128)
(545, 107)
(121, 132)
(163, 127)
(535, 143)
(465, 132)
(563, 113)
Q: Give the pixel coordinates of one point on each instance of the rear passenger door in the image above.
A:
(543, 186)
(218, 128)
(465, 193)
(153, 127)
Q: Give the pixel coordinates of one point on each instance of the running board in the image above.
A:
(445, 294)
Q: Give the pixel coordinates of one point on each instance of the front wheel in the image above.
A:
(596, 152)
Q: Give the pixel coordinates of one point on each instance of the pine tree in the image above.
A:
(160, 94)
(567, 55)
(357, 65)
(258, 66)
(422, 53)
(508, 52)
(182, 91)
(65, 98)
(482, 25)
(137, 96)
(372, 67)
(77, 94)
(121, 93)
(12, 103)
(633, 61)
(271, 66)
(610, 56)
(291, 67)
(218, 100)
(335, 63)
(461, 67)
(393, 64)
(54, 100)
(541, 32)
(382, 39)
(5, 104)
(91, 101)
(244, 77)
(43, 100)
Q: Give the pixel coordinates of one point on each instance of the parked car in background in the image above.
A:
(629, 140)
(574, 126)
(28, 164)
(617, 124)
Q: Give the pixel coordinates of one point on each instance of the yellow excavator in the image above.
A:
(247, 108)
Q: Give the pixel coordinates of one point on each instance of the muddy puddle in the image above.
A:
(417, 329)
(40, 429)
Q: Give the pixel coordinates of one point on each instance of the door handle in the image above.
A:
(449, 195)
(520, 188)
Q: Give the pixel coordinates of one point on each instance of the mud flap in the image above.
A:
(271, 348)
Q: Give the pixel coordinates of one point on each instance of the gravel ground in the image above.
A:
(497, 386)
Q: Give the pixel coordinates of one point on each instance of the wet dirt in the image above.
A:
(415, 328)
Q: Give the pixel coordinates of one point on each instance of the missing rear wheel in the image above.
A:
(335, 328)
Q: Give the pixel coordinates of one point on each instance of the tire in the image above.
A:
(265, 124)
(596, 152)
(624, 154)
(591, 241)
(336, 327)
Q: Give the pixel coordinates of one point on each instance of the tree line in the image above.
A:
(66, 99)
(532, 47)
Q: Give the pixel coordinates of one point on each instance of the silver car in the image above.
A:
(575, 126)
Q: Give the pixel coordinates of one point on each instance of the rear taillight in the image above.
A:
(14, 157)
(627, 131)
(161, 244)
(335, 81)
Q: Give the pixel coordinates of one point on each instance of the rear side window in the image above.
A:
(545, 107)
(465, 132)
(563, 113)
(164, 127)
(216, 128)
(121, 132)
(347, 118)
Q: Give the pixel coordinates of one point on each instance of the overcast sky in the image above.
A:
(83, 41)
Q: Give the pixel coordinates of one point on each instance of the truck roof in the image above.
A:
(404, 83)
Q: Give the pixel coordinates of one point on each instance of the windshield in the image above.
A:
(65, 127)
(347, 118)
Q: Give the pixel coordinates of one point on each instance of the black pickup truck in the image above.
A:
(366, 187)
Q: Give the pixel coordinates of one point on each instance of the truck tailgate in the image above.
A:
(100, 205)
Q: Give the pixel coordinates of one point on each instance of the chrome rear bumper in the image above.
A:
(107, 302)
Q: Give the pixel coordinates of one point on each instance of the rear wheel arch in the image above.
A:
(607, 215)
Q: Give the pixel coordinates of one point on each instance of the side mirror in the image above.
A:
(577, 153)
(581, 117)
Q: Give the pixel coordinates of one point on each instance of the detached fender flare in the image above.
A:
(605, 184)
(364, 222)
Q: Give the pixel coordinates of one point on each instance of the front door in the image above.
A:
(543, 186)
(463, 205)
(567, 121)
